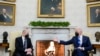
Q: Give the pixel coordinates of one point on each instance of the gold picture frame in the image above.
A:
(88, 1)
(93, 14)
(7, 14)
(8, 0)
(51, 8)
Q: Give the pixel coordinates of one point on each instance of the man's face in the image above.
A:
(4, 10)
(78, 30)
(24, 33)
(97, 11)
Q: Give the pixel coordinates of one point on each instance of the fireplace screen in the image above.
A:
(49, 48)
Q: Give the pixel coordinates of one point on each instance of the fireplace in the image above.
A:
(49, 48)
(41, 37)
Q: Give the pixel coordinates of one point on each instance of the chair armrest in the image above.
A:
(70, 52)
(91, 53)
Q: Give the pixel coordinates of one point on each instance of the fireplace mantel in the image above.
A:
(52, 27)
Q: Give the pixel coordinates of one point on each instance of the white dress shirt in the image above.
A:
(80, 38)
(23, 39)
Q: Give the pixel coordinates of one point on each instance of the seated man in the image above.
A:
(23, 45)
(81, 43)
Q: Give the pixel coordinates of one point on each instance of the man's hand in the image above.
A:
(28, 50)
(81, 48)
(29, 53)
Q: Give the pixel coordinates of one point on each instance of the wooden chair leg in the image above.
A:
(68, 52)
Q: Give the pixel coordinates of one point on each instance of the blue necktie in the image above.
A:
(78, 41)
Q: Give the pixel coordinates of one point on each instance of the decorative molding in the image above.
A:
(52, 27)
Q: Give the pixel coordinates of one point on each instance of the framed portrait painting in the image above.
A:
(50, 8)
(92, 1)
(8, 0)
(93, 14)
(7, 14)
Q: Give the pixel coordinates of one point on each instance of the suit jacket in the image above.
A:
(85, 43)
(3, 19)
(98, 18)
(19, 48)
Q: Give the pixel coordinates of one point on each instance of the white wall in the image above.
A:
(75, 13)
(26, 11)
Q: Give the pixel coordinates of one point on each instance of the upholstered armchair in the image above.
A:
(12, 37)
(71, 46)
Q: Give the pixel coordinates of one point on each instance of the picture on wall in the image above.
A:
(7, 14)
(93, 14)
(50, 8)
(92, 0)
(8, 0)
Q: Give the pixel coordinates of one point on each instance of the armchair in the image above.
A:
(12, 37)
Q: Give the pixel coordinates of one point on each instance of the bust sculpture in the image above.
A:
(5, 35)
(97, 35)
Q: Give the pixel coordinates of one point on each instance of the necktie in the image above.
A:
(78, 41)
(25, 44)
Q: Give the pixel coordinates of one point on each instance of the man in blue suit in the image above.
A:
(81, 43)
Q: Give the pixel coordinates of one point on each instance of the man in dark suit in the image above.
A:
(4, 16)
(81, 43)
(23, 45)
(97, 19)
